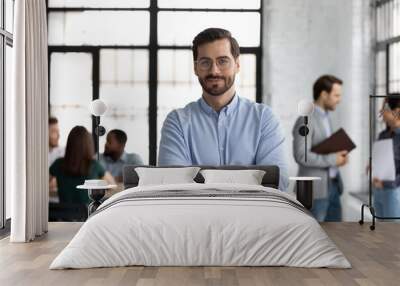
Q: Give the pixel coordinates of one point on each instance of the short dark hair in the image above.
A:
(393, 100)
(212, 34)
(119, 135)
(324, 83)
(52, 120)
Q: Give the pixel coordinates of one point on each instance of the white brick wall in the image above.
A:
(304, 39)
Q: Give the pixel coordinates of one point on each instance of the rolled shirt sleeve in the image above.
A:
(271, 149)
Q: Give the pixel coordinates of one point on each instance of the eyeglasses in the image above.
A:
(386, 108)
(222, 63)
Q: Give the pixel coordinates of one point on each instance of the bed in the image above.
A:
(199, 224)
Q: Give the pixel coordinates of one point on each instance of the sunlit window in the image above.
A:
(136, 56)
(6, 62)
(387, 72)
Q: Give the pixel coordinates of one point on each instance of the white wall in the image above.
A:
(304, 39)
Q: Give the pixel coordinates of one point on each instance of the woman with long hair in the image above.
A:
(77, 166)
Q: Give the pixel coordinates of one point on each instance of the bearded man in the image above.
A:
(221, 128)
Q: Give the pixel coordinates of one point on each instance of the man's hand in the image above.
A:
(378, 184)
(342, 158)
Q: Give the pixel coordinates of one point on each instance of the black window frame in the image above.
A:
(6, 39)
(153, 47)
(384, 45)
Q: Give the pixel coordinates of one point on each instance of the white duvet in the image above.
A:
(183, 231)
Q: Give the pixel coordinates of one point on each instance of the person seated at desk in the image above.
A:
(387, 193)
(77, 166)
(55, 151)
(114, 157)
(221, 128)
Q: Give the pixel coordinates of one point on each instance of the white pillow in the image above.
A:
(248, 177)
(165, 176)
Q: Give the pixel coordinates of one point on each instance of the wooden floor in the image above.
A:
(374, 255)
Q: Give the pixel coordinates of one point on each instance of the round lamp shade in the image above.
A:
(305, 107)
(97, 107)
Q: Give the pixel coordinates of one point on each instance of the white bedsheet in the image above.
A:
(200, 231)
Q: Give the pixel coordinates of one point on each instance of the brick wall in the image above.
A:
(304, 39)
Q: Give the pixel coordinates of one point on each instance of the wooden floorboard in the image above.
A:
(374, 255)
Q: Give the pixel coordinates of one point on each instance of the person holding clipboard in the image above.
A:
(387, 192)
(327, 151)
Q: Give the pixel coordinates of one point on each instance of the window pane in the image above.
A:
(100, 3)
(246, 79)
(396, 18)
(178, 85)
(245, 27)
(8, 80)
(394, 65)
(223, 4)
(9, 15)
(71, 91)
(124, 88)
(94, 28)
(380, 66)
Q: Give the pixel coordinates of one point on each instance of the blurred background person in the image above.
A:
(387, 193)
(77, 166)
(55, 151)
(327, 93)
(114, 157)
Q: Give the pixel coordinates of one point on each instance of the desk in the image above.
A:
(63, 212)
(53, 196)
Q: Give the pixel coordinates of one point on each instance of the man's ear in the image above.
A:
(195, 69)
(324, 94)
(237, 65)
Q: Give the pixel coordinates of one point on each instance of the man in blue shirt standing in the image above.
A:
(221, 128)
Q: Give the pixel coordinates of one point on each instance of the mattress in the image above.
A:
(201, 225)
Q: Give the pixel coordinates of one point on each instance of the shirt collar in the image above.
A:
(121, 159)
(321, 111)
(228, 109)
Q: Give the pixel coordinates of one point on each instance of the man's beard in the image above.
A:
(112, 154)
(215, 89)
(51, 145)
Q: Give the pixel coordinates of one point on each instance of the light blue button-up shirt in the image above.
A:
(242, 133)
(116, 167)
(333, 171)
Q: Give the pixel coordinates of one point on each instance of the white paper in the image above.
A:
(383, 166)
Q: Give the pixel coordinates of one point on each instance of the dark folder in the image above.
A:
(338, 141)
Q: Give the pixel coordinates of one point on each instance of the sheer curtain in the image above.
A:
(26, 123)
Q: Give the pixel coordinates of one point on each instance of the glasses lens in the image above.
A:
(224, 63)
(204, 64)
